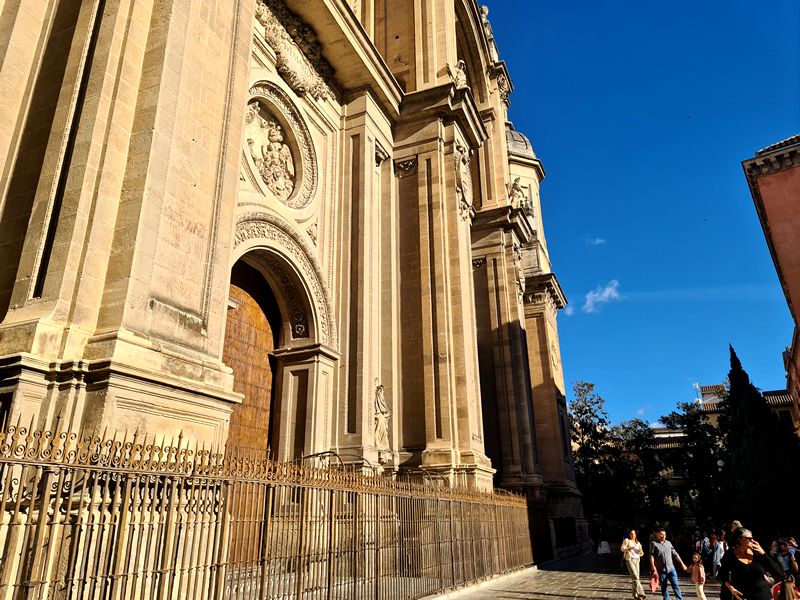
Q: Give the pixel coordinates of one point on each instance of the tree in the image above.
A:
(593, 447)
(759, 478)
(639, 472)
(697, 459)
(616, 468)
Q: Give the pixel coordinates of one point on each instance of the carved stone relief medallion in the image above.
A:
(271, 157)
(278, 150)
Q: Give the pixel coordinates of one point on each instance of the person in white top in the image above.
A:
(632, 553)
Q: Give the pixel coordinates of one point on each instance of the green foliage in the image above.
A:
(696, 460)
(761, 454)
(615, 467)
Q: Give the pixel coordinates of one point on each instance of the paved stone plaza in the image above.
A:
(581, 577)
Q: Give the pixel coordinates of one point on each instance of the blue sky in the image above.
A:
(641, 113)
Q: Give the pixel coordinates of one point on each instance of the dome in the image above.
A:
(518, 143)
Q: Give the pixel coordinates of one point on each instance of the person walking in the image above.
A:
(744, 573)
(632, 553)
(662, 554)
(698, 575)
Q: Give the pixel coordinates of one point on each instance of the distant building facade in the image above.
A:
(291, 228)
(773, 175)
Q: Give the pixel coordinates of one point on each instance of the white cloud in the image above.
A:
(595, 241)
(569, 310)
(602, 294)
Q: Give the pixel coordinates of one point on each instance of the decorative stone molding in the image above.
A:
(311, 230)
(286, 165)
(380, 154)
(403, 168)
(277, 233)
(298, 54)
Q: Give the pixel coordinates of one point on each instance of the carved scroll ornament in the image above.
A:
(298, 55)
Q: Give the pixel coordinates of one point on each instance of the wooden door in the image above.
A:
(249, 339)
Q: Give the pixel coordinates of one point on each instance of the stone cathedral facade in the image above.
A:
(289, 227)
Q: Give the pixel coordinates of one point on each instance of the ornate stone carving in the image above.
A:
(311, 230)
(504, 87)
(289, 173)
(463, 180)
(298, 55)
(458, 74)
(271, 157)
(274, 231)
(298, 319)
(405, 167)
(382, 415)
(380, 154)
(479, 263)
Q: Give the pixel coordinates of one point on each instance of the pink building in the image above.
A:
(774, 179)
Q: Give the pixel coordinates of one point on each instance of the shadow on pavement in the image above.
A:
(589, 563)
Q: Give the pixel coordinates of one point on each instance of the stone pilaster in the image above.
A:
(438, 348)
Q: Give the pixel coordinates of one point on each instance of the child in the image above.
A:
(698, 574)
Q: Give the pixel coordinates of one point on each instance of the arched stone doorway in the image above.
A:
(280, 365)
(252, 333)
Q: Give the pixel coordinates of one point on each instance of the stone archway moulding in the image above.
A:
(264, 230)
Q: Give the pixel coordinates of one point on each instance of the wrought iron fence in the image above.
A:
(88, 517)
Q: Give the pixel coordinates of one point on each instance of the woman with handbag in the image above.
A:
(632, 554)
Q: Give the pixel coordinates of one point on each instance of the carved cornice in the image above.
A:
(299, 55)
(448, 104)
(506, 218)
(778, 160)
(544, 288)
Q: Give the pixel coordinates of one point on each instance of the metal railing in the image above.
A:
(87, 517)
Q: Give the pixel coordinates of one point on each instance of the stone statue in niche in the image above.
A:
(271, 156)
(382, 415)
